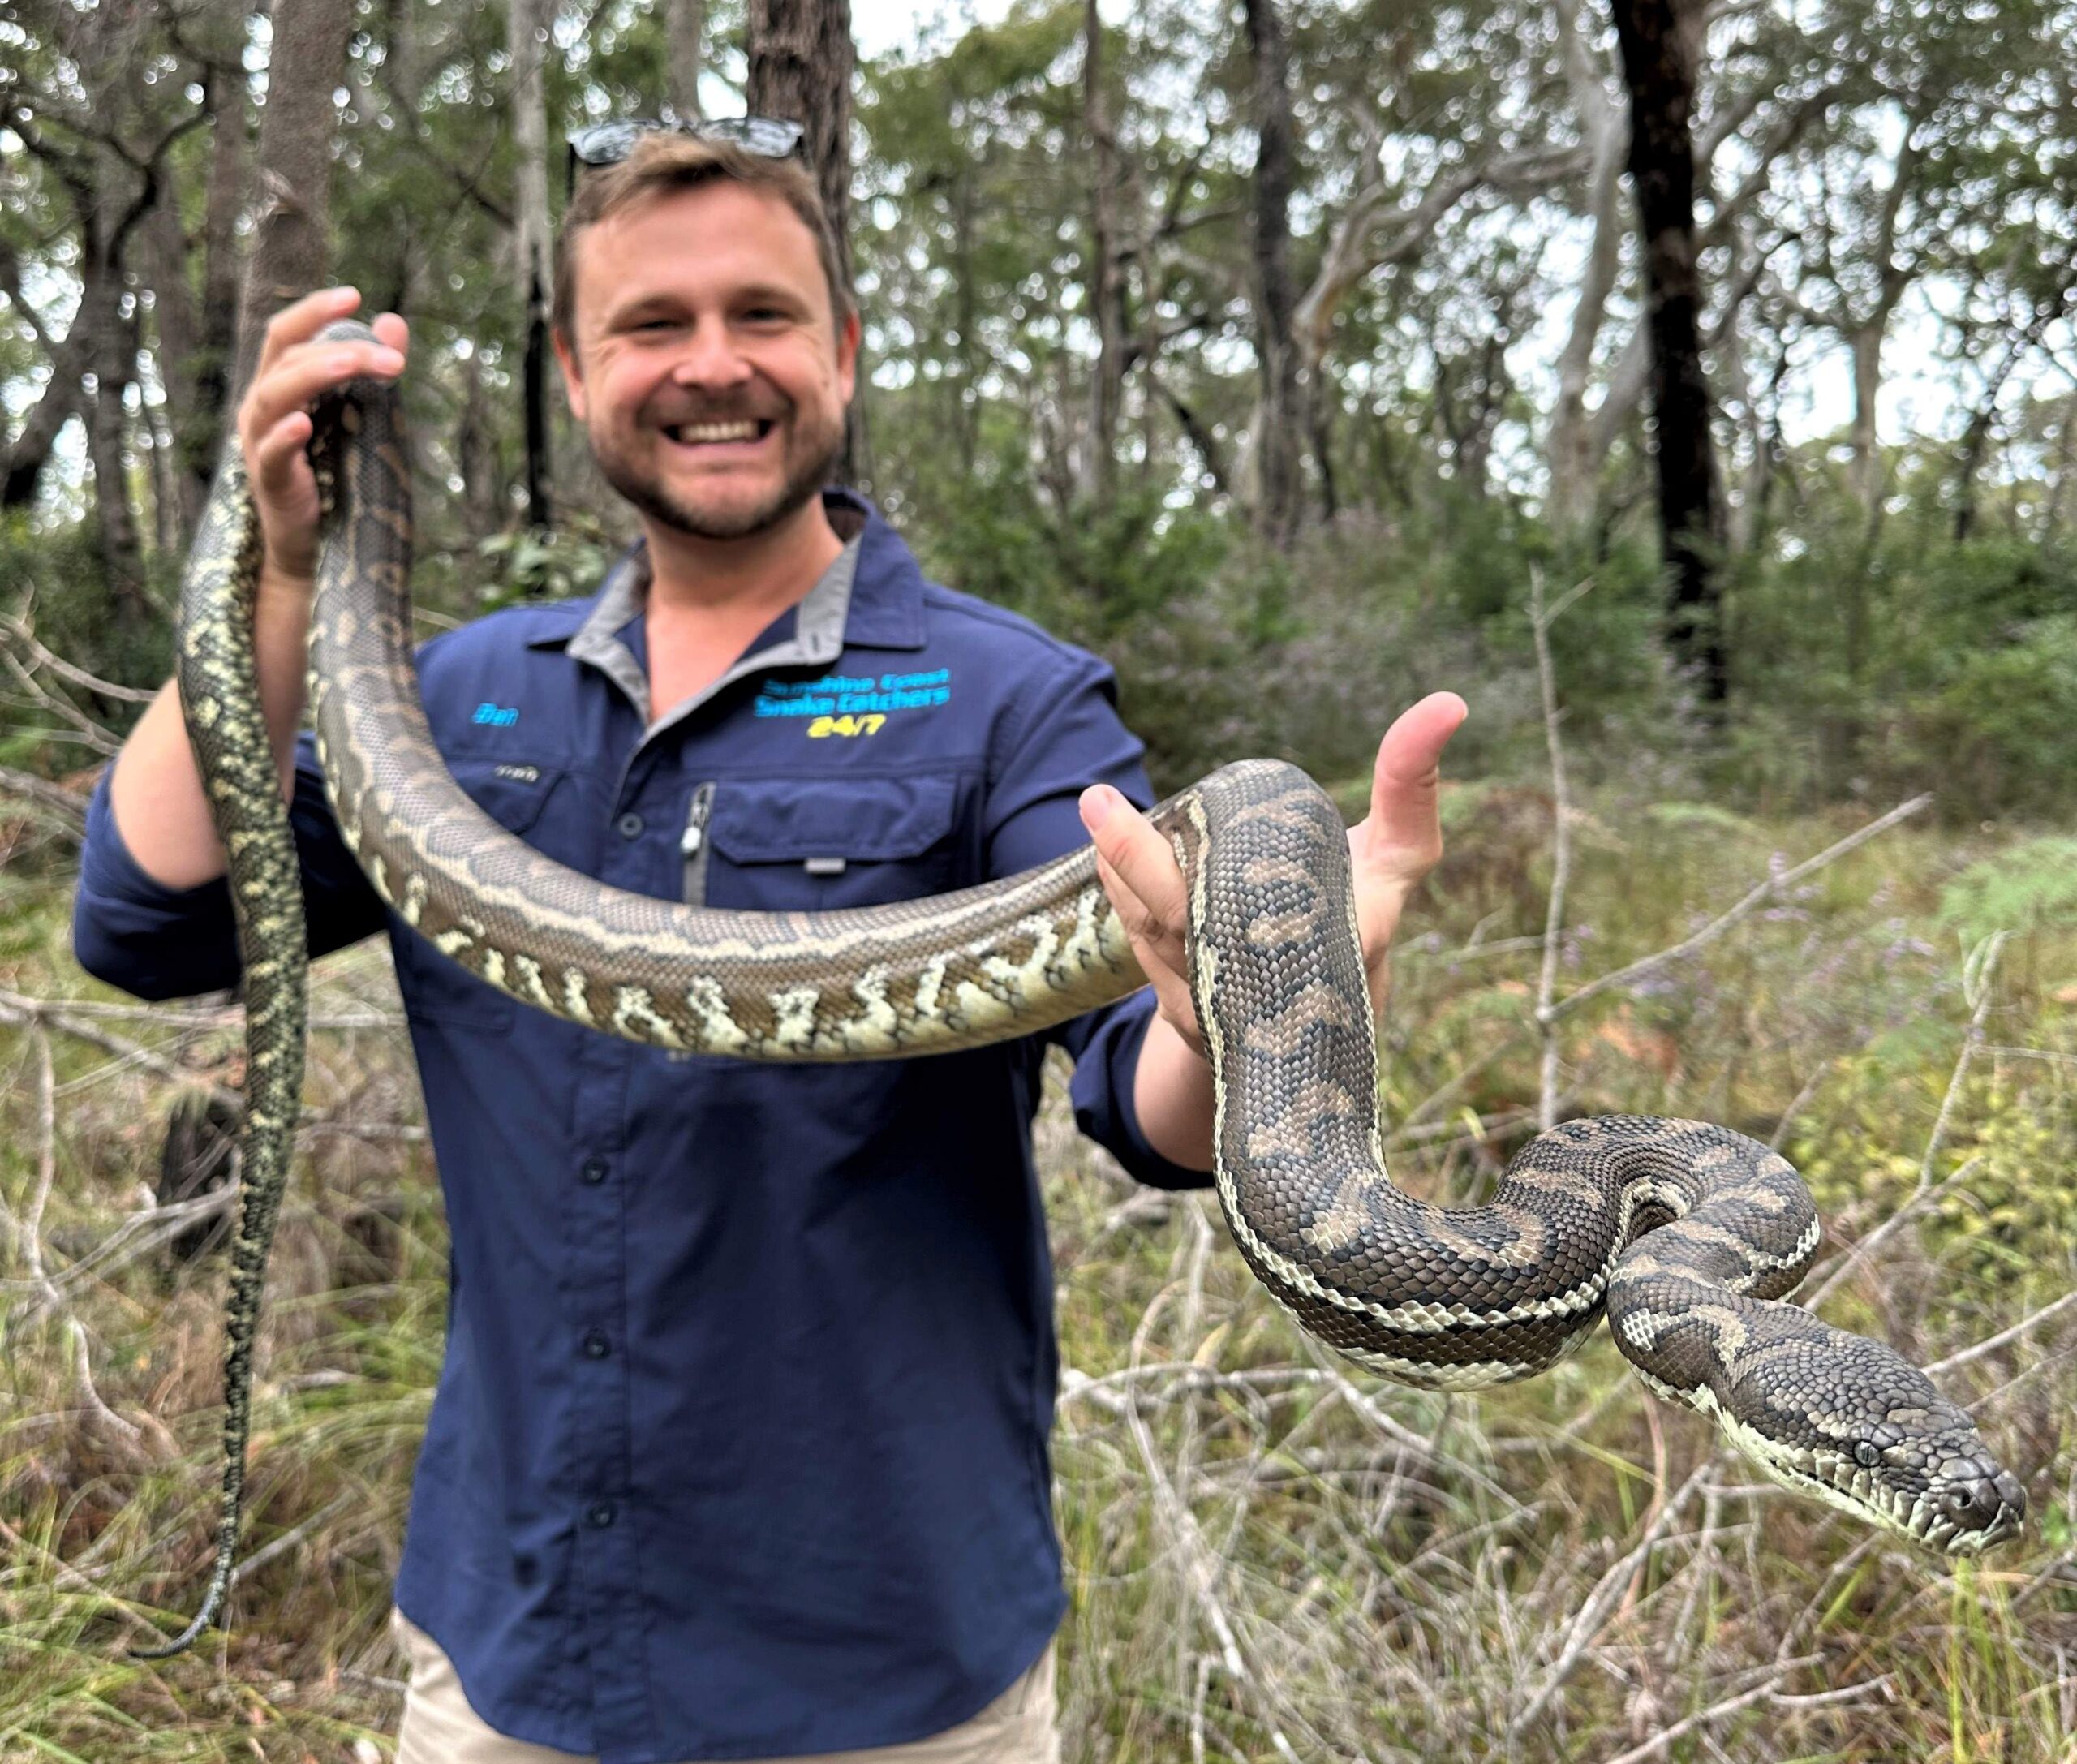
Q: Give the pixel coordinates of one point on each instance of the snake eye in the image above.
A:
(1866, 1456)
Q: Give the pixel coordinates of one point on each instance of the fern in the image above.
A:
(2026, 888)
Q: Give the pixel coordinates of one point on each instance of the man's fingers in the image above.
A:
(1141, 858)
(1157, 945)
(300, 320)
(295, 381)
(277, 453)
(1404, 815)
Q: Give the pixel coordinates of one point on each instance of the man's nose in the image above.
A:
(709, 359)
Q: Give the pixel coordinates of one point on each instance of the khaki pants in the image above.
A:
(439, 1727)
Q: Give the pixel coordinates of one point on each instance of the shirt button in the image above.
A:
(600, 1514)
(630, 825)
(594, 1170)
(597, 1347)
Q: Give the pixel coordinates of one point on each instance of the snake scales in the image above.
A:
(1686, 1235)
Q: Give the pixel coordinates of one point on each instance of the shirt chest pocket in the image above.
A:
(514, 794)
(817, 844)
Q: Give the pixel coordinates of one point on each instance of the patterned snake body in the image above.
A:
(1686, 1234)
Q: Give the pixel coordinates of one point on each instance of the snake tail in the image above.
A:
(220, 698)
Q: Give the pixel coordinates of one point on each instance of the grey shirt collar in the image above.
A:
(819, 620)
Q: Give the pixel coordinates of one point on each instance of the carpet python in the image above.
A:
(1685, 1235)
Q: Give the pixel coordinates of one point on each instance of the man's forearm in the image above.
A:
(1172, 1091)
(1172, 1096)
(157, 793)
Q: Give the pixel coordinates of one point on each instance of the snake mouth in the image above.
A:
(1969, 1519)
(1984, 1513)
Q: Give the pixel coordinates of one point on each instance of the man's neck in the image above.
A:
(709, 599)
(725, 583)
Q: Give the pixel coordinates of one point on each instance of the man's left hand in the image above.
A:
(1390, 850)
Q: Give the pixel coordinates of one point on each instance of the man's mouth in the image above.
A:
(748, 432)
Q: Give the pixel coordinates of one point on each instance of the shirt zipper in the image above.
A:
(692, 844)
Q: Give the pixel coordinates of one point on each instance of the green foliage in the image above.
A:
(2032, 886)
(555, 565)
(1367, 1543)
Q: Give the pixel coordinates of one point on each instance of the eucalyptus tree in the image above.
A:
(1661, 42)
(99, 100)
(1869, 205)
(800, 62)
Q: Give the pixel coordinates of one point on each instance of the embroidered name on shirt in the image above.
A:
(503, 716)
(519, 774)
(852, 705)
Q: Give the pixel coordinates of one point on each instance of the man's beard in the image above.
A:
(812, 457)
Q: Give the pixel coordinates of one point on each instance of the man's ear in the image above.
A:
(847, 354)
(573, 375)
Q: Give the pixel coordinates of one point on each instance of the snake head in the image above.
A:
(1851, 1422)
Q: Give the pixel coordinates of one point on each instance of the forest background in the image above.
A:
(1692, 386)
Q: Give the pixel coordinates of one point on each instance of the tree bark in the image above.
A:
(526, 42)
(1281, 430)
(177, 324)
(1659, 68)
(476, 454)
(800, 62)
(216, 353)
(21, 469)
(305, 65)
(685, 33)
(1099, 463)
(111, 358)
(1573, 464)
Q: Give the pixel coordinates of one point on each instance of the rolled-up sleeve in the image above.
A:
(159, 943)
(1067, 736)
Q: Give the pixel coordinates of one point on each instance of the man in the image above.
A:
(739, 1449)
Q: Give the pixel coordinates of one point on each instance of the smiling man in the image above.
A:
(739, 1449)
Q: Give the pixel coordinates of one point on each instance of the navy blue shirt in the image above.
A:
(740, 1444)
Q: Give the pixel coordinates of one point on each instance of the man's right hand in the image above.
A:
(155, 793)
(273, 420)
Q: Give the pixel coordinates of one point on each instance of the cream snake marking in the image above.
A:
(1686, 1235)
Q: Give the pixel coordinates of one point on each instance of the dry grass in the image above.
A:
(1269, 1556)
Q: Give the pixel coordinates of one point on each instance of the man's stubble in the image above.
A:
(811, 455)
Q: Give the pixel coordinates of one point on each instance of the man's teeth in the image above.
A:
(713, 431)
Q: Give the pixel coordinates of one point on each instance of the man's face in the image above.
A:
(706, 368)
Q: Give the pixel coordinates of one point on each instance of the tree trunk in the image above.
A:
(215, 349)
(1659, 67)
(1573, 463)
(401, 72)
(800, 62)
(1279, 434)
(526, 41)
(179, 327)
(684, 32)
(1099, 463)
(1866, 344)
(111, 358)
(21, 470)
(475, 455)
(306, 67)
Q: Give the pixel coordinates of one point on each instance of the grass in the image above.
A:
(1269, 1553)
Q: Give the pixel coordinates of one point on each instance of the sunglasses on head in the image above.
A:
(608, 143)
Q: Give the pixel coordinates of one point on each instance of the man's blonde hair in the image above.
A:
(663, 163)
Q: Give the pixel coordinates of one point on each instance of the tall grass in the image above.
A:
(1269, 1553)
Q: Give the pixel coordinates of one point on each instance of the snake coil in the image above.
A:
(1685, 1235)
